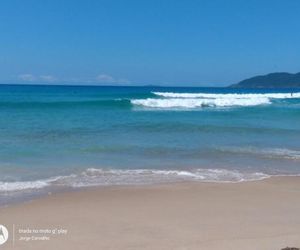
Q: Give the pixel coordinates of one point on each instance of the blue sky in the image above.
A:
(166, 42)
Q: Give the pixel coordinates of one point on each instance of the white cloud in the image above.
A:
(99, 79)
(35, 78)
(104, 78)
(27, 77)
(48, 78)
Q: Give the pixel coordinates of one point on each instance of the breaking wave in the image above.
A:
(107, 177)
(200, 100)
(278, 153)
(198, 103)
(228, 96)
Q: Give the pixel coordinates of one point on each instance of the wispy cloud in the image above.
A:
(99, 79)
(105, 78)
(48, 78)
(27, 77)
(37, 78)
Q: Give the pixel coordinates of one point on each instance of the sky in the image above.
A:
(138, 42)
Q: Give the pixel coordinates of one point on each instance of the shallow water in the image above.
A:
(63, 136)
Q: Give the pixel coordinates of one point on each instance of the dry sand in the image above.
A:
(261, 215)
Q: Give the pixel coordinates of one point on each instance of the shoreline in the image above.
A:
(22, 191)
(260, 214)
(28, 195)
(31, 194)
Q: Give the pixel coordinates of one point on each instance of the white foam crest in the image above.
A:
(108, 177)
(281, 153)
(224, 175)
(105, 177)
(229, 95)
(22, 185)
(198, 103)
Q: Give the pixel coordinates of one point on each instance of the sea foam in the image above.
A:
(229, 96)
(199, 103)
(278, 153)
(107, 177)
(199, 100)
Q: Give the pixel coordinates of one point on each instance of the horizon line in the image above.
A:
(111, 85)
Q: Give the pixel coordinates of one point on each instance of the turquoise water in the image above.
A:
(63, 136)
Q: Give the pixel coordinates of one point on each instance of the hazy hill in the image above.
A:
(273, 80)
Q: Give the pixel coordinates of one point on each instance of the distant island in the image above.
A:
(273, 80)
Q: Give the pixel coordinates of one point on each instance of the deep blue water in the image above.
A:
(78, 136)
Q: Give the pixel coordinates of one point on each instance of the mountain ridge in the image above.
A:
(271, 80)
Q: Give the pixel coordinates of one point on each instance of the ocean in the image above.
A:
(64, 137)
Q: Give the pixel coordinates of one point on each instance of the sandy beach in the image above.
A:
(251, 215)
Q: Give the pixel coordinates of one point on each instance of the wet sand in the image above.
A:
(262, 215)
